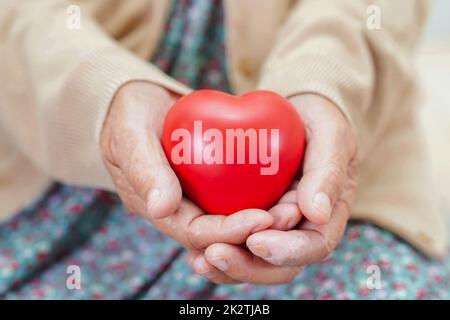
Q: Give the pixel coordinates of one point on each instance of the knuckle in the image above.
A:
(134, 170)
(334, 170)
(122, 142)
(191, 239)
(169, 227)
(328, 245)
(193, 235)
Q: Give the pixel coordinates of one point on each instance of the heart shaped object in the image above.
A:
(234, 152)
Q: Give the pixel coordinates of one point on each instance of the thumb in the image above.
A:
(148, 172)
(318, 190)
(328, 154)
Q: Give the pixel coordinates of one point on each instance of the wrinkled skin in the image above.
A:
(303, 228)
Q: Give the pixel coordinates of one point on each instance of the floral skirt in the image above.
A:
(117, 255)
(80, 243)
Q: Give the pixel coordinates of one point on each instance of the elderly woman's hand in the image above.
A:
(323, 195)
(144, 180)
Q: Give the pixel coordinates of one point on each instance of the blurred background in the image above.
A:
(434, 69)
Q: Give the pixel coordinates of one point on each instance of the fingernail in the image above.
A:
(220, 264)
(323, 204)
(200, 265)
(153, 198)
(261, 251)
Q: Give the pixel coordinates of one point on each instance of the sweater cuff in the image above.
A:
(92, 87)
(324, 76)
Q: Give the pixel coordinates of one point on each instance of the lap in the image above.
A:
(370, 263)
(123, 256)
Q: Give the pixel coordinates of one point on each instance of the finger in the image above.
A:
(148, 172)
(234, 229)
(241, 265)
(329, 151)
(130, 141)
(310, 244)
(192, 228)
(177, 224)
(286, 213)
(289, 248)
(204, 268)
(191, 255)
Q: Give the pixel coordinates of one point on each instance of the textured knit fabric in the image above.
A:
(122, 256)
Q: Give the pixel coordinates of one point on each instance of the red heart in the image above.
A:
(203, 139)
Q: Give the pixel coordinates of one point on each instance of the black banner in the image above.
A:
(234, 309)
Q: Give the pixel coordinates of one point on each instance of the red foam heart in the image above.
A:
(232, 153)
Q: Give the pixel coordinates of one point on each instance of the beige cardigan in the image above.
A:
(57, 84)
